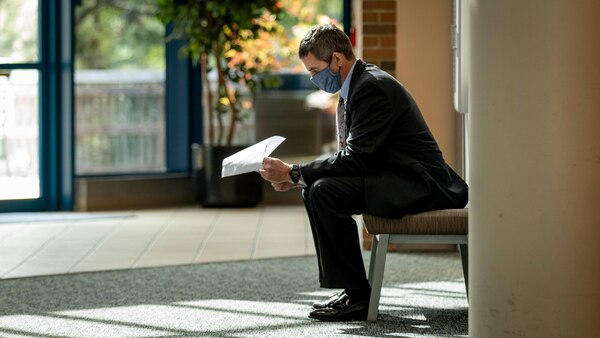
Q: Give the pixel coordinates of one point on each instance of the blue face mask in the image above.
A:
(327, 80)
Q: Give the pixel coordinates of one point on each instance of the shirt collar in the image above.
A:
(346, 85)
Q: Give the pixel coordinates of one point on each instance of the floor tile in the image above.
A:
(17, 248)
(158, 237)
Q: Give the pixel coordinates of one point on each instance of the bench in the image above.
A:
(449, 226)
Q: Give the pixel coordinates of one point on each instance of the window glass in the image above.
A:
(18, 31)
(19, 100)
(119, 87)
(19, 142)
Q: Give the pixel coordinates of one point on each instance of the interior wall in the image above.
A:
(424, 66)
(534, 222)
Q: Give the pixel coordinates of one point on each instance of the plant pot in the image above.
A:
(215, 192)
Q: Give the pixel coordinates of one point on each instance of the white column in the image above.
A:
(535, 168)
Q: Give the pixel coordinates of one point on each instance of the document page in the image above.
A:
(250, 159)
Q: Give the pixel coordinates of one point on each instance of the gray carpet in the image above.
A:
(423, 296)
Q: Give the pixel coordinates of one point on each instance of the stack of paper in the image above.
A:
(250, 159)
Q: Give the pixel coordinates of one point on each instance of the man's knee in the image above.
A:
(322, 189)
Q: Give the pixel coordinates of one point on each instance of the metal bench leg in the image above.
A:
(372, 259)
(376, 275)
(464, 256)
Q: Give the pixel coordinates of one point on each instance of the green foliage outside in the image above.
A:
(18, 31)
(118, 34)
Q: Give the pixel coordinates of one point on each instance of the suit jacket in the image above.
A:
(390, 145)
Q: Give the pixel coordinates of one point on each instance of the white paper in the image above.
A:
(250, 159)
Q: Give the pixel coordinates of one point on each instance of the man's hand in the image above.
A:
(275, 170)
(284, 186)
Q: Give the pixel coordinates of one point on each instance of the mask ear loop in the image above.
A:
(339, 67)
(340, 72)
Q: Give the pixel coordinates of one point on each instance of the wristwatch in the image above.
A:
(295, 173)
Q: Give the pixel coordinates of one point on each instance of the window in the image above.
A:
(19, 100)
(119, 88)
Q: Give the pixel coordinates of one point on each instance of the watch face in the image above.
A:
(295, 173)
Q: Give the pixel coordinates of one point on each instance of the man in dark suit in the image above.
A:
(388, 164)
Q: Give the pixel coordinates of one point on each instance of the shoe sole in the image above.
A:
(361, 316)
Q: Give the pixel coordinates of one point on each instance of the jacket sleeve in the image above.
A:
(372, 121)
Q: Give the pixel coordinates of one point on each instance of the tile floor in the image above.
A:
(125, 240)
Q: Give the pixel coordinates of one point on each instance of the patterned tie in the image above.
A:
(340, 121)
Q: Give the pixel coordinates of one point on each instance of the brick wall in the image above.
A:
(379, 33)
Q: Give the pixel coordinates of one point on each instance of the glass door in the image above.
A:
(20, 69)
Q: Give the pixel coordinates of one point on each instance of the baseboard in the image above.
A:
(126, 193)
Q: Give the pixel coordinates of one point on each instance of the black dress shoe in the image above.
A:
(332, 299)
(342, 310)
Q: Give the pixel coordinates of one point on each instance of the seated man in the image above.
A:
(388, 164)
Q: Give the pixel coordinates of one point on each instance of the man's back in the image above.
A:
(407, 172)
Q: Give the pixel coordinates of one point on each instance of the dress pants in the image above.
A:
(330, 203)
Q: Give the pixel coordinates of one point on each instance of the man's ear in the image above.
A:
(336, 58)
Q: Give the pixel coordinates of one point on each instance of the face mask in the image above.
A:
(327, 80)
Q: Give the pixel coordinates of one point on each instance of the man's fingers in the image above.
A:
(264, 174)
(274, 170)
(267, 175)
(267, 162)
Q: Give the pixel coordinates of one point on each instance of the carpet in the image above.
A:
(423, 296)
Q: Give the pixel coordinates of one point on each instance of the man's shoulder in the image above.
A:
(376, 73)
(374, 77)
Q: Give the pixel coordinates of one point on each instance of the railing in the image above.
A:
(120, 121)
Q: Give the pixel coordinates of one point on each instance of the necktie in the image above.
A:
(340, 121)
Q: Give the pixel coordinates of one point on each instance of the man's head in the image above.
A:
(322, 41)
(327, 54)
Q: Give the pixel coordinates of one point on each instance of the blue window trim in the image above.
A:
(347, 13)
(56, 105)
(183, 108)
(20, 65)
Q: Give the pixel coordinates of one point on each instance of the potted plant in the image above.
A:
(216, 33)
